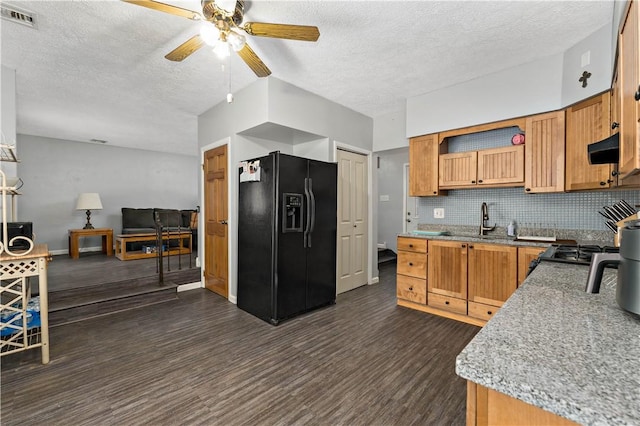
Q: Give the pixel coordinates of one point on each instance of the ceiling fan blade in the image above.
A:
(173, 10)
(185, 49)
(255, 63)
(291, 32)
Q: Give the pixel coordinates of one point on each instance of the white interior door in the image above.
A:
(353, 216)
(410, 210)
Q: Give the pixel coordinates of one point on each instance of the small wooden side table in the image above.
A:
(75, 234)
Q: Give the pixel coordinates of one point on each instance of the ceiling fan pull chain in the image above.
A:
(229, 94)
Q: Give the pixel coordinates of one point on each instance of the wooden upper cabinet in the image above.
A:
(629, 76)
(458, 169)
(493, 273)
(501, 165)
(587, 122)
(496, 167)
(447, 268)
(423, 165)
(544, 150)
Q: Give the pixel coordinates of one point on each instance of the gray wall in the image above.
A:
(55, 171)
(390, 183)
(8, 115)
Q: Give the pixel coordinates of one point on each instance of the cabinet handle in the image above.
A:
(435, 192)
(527, 189)
(615, 125)
(463, 245)
(479, 180)
(410, 264)
(489, 312)
(614, 173)
(410, 288)
(411, 245)
(609, 180)
(602, 183)
(446, 302)
(473, 181)
(470, 247)
(637, 95)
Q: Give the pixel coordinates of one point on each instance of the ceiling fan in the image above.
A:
(222, 28)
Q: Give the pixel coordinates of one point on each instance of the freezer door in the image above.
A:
(321, 250)
(290, 285)
(256, 228)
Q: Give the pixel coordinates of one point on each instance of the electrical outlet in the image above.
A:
(384, 198)
(438, 213)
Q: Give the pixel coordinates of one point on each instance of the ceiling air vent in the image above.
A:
(17, 15)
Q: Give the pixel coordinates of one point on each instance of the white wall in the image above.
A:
(55, 171)
(390, 131)
(523, 90)
(598, 47)
(302, 123)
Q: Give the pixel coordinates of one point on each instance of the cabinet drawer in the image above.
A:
(482, 311)
(446, 303)
(417, 245)
(411, 288)
(412, 264)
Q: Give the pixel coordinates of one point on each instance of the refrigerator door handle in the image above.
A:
(306, 242)
(313, 210)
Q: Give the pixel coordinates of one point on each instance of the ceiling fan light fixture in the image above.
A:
(228, 6)
(209, 34)
(237, 41)
(222, 50)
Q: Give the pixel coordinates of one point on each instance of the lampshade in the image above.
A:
(89, 201)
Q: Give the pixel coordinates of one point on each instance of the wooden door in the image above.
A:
(587, 122)
(215, 223)
(493, 273)
(501, 165)
(525, 256)
(629, 74)
(447, 268)
(353, 220)
(544, 151)
(458, 169)
(423, 166)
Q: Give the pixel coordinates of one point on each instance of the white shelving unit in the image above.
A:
(24, 321)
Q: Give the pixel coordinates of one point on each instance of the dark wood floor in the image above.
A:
(201, 360)
(94, 268)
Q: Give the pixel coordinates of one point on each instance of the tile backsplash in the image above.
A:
(575, 210)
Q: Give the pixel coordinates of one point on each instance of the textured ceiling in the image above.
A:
(96, 69)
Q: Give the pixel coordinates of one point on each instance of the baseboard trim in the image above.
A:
(374, 280)
(233, 299)
(190, 286)
(82, 250)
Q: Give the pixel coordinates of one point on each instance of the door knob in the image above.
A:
(223, 222)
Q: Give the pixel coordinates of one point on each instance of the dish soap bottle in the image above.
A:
(511, 229)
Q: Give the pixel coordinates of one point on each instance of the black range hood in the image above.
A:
(606, 151)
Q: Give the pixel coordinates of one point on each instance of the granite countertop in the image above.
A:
(499, 236)
(566, 351)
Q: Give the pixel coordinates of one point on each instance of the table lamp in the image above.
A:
(89, 201)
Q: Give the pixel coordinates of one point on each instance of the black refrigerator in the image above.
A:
(287, 220)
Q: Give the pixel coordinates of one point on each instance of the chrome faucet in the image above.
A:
(484, 217)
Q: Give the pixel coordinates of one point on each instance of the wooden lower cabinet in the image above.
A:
(460, 280)
(488, 407)
(493, 273)
(525, 256)
(411, 281)
(412, 289)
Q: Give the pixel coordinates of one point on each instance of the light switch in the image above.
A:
(384, 198)
(586, 59)
(438, 213)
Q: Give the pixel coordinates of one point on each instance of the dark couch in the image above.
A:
(143, 221)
